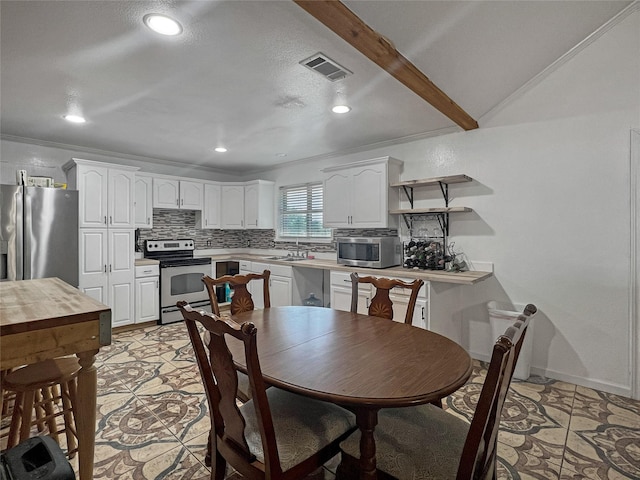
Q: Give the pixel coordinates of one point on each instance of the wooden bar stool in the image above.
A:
(38, 387)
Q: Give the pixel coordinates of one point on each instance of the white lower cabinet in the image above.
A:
(341, 298)
(341, 293)
(147, 293)
(280, 283)
(107, 270)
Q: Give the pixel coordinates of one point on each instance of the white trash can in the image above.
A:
(501, 317)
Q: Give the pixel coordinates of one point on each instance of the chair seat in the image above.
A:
(417, 443)
(302, 425)
(45, 373)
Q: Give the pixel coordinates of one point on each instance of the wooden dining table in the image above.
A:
(48, 318)
(360, 362)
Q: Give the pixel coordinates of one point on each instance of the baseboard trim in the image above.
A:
(622, 390)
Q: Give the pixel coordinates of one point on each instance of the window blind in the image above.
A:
(301, 211)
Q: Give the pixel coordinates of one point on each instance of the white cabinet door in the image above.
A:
(337, 200)
(233, 206)
(143, 202)
(121, 276)
(92, 184)
(358, 195)
(191, 195)
(209, 217)
(147, 299)
(368, 197)
(166, 193)
(280, 289)
(94, 278)
(421, 314)
(259, 204)
(121, 198)
(106, 196)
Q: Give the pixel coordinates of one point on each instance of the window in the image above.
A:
(301, 212)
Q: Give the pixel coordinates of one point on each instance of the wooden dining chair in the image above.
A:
(277, 434)
(381, 304)
(241, 301)
(427, 442)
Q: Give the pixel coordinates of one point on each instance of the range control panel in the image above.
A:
(169, 245)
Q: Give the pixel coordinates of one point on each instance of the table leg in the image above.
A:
(86, 412)
(367, 419)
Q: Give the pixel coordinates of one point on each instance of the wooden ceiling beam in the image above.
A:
(342, 21)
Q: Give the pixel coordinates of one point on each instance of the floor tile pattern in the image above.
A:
(152, 419)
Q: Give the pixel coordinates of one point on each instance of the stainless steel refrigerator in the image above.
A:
(39, 233)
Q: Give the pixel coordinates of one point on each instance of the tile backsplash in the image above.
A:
(172, 224)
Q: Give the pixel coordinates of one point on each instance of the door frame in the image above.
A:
(634, 264)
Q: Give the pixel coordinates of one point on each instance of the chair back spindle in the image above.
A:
(381, 305)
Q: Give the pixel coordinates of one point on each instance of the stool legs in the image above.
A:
(42, 402)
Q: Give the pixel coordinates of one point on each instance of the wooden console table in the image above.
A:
(48, 318)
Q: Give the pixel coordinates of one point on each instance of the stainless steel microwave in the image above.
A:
(372, 252)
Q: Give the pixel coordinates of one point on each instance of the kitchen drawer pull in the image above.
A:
(148, 220)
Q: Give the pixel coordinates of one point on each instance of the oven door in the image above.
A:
(182, 283)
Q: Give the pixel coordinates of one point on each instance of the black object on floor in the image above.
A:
(36, 458)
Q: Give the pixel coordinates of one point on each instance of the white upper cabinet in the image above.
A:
(233, 206)
(106, 193)
(169, 193)
(259, 204)
(191, 195)
(143, 207)
(248, 205)
(209, 217)
(358, 195)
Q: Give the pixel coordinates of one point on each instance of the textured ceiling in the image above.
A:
(233, 77)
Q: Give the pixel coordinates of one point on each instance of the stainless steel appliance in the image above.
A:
(180, 276)
(38, 233)
(372, 252)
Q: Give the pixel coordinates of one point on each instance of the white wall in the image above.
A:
(551, 201)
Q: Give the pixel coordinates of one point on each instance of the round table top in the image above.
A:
(354, 359)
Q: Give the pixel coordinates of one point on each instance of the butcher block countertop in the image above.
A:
(461, 278)
(28, 305)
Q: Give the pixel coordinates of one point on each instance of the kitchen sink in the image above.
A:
(286, 258)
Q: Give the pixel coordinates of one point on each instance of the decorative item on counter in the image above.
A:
(425, 254)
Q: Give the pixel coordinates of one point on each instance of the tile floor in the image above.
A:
(152, 420)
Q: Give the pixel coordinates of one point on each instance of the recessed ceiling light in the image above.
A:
(74, 118)
(162, 24)
(281, 154)
(220, 149)
(341, 109)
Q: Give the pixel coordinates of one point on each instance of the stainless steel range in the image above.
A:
(180, 276)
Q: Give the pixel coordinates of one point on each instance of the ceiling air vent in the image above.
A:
(326, 67)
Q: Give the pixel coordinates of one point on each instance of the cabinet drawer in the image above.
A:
(244, 265)
(147, 271)
(281, 270)
(259, 267)
(343, 279)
